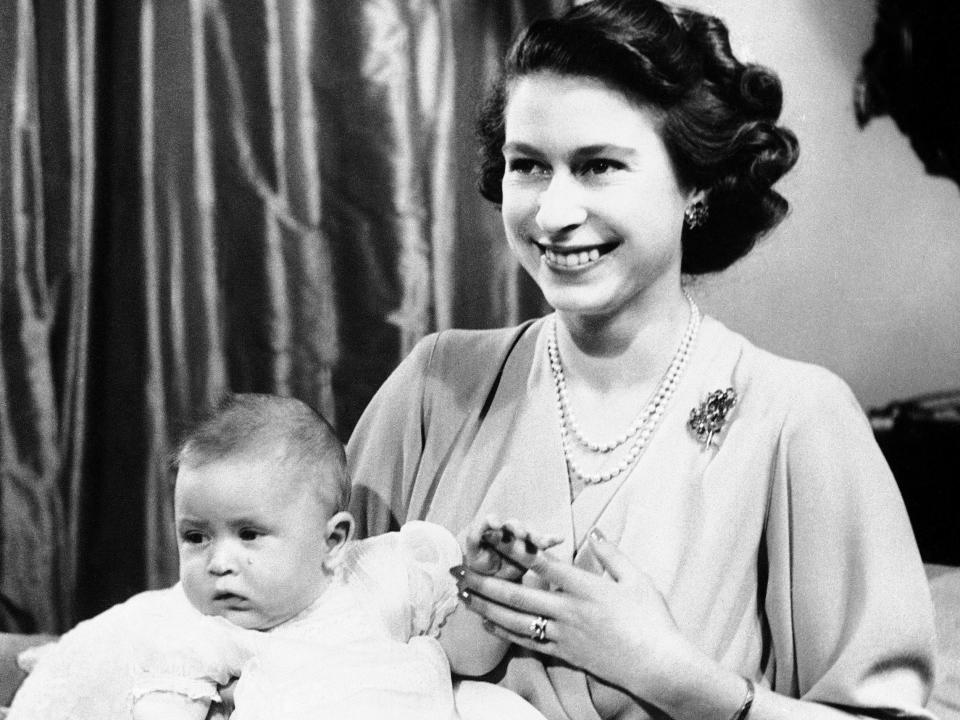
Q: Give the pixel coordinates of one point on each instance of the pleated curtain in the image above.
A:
(199, 196)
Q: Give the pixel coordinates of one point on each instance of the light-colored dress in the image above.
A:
(367, 643)
(783, 550)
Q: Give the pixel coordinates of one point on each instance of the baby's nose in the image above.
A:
(222, 560)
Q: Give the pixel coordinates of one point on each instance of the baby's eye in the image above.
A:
(600, 166)
(192, 537)
(249, 534)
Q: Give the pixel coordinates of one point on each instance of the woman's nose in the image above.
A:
(222, 559)
(560, 207)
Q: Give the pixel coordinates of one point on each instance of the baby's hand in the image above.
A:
(485, 537)
(169, 706)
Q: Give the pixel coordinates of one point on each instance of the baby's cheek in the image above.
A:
(189, 558)
(187, 566)
(191, 580)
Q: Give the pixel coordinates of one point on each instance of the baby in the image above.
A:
(273, 590)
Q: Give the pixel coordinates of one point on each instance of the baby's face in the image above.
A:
(252, 540)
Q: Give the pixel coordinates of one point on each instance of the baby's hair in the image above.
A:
(247, 425)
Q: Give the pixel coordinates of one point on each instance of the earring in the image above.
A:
(696, 214)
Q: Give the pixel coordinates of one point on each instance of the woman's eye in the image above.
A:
(525, 166)
(599, 166)
(249, 534)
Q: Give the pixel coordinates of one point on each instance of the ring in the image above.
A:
(538, 629)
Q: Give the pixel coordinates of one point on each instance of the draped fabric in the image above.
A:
(207, 195)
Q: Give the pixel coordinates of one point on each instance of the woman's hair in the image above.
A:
(719, 116)
(250, 426)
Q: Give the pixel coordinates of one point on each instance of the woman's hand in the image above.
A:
(503, 549)
(615, 626)
(469, 649)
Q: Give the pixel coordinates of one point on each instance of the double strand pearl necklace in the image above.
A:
(641, 429)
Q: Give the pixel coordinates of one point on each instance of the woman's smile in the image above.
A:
(573, 258)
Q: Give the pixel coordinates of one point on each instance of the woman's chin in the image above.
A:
(579, 303)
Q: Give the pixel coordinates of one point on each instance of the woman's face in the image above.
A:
(591, 203)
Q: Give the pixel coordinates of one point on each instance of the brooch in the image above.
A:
(708, 419)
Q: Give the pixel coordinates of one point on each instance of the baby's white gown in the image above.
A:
(366, 648)
(369, 642)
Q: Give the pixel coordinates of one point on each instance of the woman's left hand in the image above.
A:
(615, 626)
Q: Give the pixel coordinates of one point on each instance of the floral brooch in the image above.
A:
(709, 417)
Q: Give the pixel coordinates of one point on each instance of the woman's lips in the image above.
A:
(573, 258)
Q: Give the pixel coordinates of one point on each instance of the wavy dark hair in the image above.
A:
(719, 116)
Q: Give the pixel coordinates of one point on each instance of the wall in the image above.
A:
(864, 275)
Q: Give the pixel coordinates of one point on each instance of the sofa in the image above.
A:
(945, 589)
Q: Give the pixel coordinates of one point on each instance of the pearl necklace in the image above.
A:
(640, 430)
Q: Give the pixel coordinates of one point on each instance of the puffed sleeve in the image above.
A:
(193, 656)
(385, 447)
(429, 551)
(153, 642)
(849, 609)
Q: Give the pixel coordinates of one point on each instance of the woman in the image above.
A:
(734, 542)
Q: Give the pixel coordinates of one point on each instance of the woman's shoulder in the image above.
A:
(460, 366)
(796, 386)
(454, 362)
(481, 346)
(456, 351)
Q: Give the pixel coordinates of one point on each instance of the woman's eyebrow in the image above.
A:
(591, 151)
(520, 147)
(586, 151)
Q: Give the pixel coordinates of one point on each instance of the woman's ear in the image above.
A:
(339, 531)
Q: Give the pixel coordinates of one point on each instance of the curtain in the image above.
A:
(199, 196)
